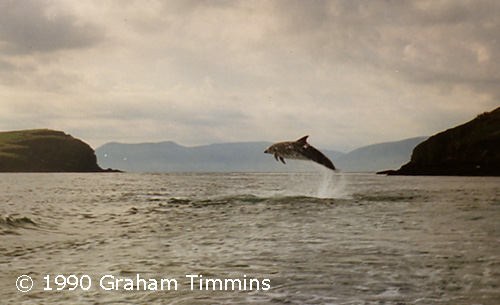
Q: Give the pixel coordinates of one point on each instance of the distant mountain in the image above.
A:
(244, 157)
(171, 157)
(471, 149)
(378, 157)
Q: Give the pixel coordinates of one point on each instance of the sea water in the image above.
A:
(294, 238)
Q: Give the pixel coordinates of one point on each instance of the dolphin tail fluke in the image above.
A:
(320, 158)
(326, 162)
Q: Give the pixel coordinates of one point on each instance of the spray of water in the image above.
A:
(332, 184)
(322, 183)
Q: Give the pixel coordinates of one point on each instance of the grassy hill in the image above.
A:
(44, 150)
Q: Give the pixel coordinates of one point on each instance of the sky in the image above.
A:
(346, 73)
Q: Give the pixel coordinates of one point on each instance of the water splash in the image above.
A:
(333, 184)
(322, 183)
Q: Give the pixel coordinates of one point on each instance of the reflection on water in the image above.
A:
(318, 238)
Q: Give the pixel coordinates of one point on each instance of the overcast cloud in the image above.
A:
(348, 73)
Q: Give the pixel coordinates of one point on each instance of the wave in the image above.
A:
(245, 199)
(16, 222)
(9, 224)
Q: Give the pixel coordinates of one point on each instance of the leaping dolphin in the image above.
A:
(299, 150)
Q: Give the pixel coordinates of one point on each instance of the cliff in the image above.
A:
(44, 150)
(471, 149)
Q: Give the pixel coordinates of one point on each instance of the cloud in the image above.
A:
(349, 73)
(438, 43)
(30, 26)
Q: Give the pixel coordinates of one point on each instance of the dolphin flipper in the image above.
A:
(279, 158)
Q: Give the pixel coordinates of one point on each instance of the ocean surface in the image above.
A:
(305, 238)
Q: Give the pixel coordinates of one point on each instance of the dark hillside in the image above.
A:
(43, 150)
(471, 149)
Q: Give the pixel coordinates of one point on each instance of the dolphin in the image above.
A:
(299, 150)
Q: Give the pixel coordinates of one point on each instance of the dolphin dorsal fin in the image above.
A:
(302, 140)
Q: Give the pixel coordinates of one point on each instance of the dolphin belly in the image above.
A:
(293, 155)
(290, 151)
